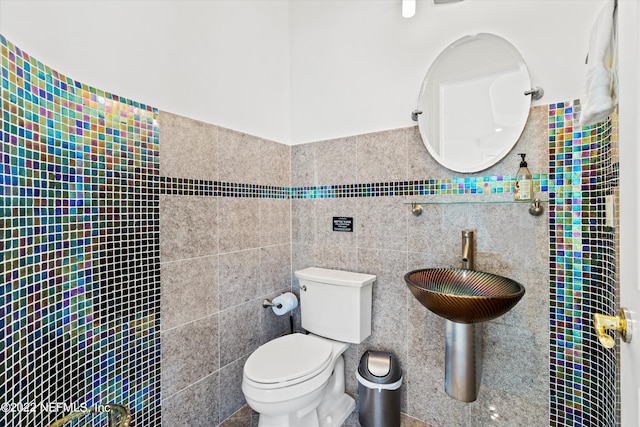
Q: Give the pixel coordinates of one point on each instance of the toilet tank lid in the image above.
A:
(335, 277)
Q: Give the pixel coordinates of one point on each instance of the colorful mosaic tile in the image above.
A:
(79, 250)
(194, 187)
(447, 186)
(79, 255)
(583, 270)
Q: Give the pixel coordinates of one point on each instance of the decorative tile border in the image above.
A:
(79, 249)
(195, 187)
(582, 270)
(448, 186)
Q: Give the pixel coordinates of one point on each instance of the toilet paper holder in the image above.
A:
(267, 303)
(282, 304)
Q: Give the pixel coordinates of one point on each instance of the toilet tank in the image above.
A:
(336, 304)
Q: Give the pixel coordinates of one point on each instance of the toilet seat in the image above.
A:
(287, 361)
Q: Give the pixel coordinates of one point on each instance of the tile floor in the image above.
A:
(245, 417)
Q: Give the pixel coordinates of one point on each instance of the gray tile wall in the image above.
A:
(388, 241)
(220, 257)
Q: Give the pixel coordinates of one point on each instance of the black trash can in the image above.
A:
(379, 380)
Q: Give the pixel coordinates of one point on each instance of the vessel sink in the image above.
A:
(464, 296)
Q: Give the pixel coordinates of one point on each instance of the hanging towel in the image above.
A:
(600, 91)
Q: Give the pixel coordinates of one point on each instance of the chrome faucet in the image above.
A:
(468, 255)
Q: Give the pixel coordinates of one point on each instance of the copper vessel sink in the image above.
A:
(464, 296)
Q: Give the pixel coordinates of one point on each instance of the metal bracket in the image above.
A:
(536, 208)
(416, 209)
(267, 303)
(414, 115)
(535, 92)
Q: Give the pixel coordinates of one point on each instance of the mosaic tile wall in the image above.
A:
(79, 252)
(80, 295)
(583, 167)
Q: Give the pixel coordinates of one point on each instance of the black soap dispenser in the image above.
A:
(523, 188)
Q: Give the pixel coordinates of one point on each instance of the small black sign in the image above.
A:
(342, 223)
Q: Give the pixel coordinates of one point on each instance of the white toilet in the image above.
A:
(298, 380)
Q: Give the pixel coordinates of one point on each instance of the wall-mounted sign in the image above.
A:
(342, 223)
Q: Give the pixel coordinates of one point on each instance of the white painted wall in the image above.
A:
(289, 70)
(357, 66)
(224, 61)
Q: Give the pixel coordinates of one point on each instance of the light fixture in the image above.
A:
(408, 8)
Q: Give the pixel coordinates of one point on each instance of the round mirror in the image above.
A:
(473, 103)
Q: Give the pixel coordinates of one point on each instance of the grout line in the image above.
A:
(190, 385)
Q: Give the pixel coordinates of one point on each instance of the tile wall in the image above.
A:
(584, 169)
(567, 262)
(225, 245)
(389, 241)
(79, 253)
(101, 212)
(93, 220)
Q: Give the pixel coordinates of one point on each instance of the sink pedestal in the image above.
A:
(463, 360)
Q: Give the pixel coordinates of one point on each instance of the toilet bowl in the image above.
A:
(298, 381)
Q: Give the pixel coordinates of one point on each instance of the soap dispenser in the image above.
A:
(523, 188)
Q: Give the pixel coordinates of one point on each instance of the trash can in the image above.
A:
(379, 380)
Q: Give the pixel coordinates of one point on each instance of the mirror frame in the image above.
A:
(425, 105)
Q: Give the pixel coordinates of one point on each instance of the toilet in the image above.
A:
(298, 380)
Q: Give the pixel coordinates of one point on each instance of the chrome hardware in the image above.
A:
(621, 322)
(379, 364)
(468, 256)
(536, 208)
(303, 288)
(416, 209)
(267, 303)
(414, 115)
(535, 92)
